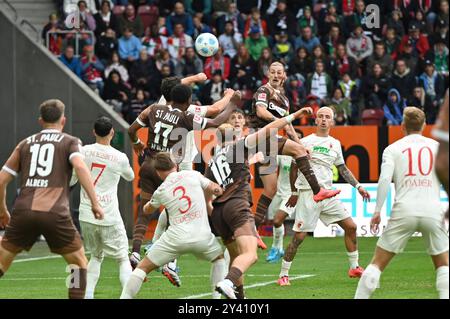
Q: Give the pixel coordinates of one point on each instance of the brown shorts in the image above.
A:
(26, 226)
(232, 219)
(269, 165)
(149, 180)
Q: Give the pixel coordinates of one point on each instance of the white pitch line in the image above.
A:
(261, 284)
(36, 258)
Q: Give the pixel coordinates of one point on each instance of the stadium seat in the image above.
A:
(372, 117)
(149, 15)
(118, 10)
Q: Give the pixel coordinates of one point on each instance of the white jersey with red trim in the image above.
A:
(182, 194)
(107, 165)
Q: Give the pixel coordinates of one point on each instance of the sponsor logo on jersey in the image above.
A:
(262, 96)
(277, 109)
(321, 149)
(198, 119)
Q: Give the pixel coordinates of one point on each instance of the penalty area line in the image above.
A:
(261, 284)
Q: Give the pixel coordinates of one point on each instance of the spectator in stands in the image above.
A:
(115, 64)
(263, 65)
(230, 40)
(332, 19)
(190, 64)
(440, 59)
(441, 33)
(391, 42)
(155, 84)
(432, 83)
(71, 5)
(332, 40)
(200, 7)
(55, 41)
(163, 58)
(443, 13)
(349, 87)
(422, 101)
(213, 89)
(394, 22)
(135, 107)
(357, 18)
(116, 93)
(153, 41)
(346, 7)
(142, 70)
(307, 20)
(254, 19)
(86, 15)
(129, 19)
(342, 107)
(72, 62)
(306, 40)
(345, 63)
(106, 44)
(245, 6)
(403, 80)
(105, 19)
(282, 20)
(301, 63)
(179, 16)
(419, 20)
(178, 42)
(407, 54)
(320, 83)
(129, 47)
(217, 62)
(92, 69)
(282, 48)
(243, 70)
(318, 53)
(295, 92)
(419, 41)
(381, 57)
(375, 87)
(393, 109)
(359, 46)
(220, 7)
(199, 26)
(232, 15)
(255, 43)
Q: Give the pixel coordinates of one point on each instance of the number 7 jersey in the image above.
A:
(43, 161)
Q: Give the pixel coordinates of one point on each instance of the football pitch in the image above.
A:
(318, 272)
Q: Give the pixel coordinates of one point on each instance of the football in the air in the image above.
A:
(206, 44)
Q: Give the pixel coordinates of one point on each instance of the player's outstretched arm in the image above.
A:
(290, 131)
(220, 105)
(199, 77)
(348, 176)
(252, 139)
(223, 117)
(5, 179)
(84, 176)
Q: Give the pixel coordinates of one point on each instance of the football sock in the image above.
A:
(140, 229)
(125, 271)
(261, 209)
(240, 292)
(285, 266)
(368, 283)
(161, 226)
(93, 273)
(353, 258)
(134, 284)
(218, 273)
(79, 283)
(172, 264)
(442, 282)
(278, 234)
(304, 167)
(233, 275)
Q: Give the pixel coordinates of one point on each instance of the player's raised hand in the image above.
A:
(236, 98)
(374, 223)
(303, 112)
(200, 77)
(228, 92)
(139, 148)
(364, 193)
(98, 212)
(5, 217)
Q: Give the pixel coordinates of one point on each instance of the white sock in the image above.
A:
(161, 226)
(442, 282)
(93, 273)
(125, 271)
(353, 258)
(172, 264)
(219, 270)
(278, 235)
(285, 266)
(134, 284)
(226, 256)
(369, 281)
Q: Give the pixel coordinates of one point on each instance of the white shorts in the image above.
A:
(308, 212)
(399, 230)
(279, 203)
(167, 249)
(110, 241)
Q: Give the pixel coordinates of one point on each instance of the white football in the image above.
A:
(206, 44)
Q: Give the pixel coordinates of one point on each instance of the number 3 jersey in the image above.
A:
(182, 195)
(107, 165)
(43, 161)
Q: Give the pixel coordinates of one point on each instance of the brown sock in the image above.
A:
(234, 274)
(1, 273)
(79, 282)
(140, 229)
(261, 209)
(240, 292)
(304, 167)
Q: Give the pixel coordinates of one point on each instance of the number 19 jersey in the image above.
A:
(410, 162)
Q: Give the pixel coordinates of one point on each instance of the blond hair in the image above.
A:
(413, 119)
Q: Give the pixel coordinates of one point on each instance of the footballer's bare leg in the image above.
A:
(289, 256)
(77, 262)
(6, 259)
(351, 244)
(442, 274)
(134, 284)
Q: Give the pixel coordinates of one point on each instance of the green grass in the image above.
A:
(410, 275)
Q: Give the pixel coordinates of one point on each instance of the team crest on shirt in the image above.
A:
(299, 224)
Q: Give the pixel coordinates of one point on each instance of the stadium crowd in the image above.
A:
(334, 52)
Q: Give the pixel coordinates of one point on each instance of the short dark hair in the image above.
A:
(51, 111)
(103, 126)
(167, 85)
(163, 162)
(181, 94)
